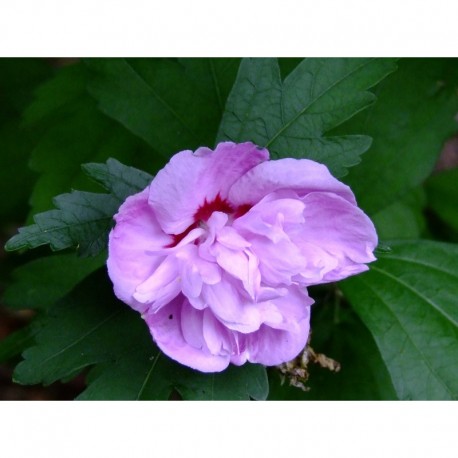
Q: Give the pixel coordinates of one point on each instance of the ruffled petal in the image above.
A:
(166, 328)
(337, 238)
(217, 338)
(236, 310)
(162, 286)
(136, 235)
(301, 175)
(266, 226)
(270, 346)
(190, 179)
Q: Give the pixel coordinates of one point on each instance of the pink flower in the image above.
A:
(217, 252)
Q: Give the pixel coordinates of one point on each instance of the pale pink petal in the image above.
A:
(136, 234)
(189, 179)
(165, 327)
(191, 280)
(162, 286)
(217, 337)
(271, 346)
(300, 175)
(269, 218)
(230, 238)
(235, 310)
(334, 246)
(278, 262)
(192, 326)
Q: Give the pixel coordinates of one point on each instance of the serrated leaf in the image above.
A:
(122, 181)
(408, 302)
(292, 117)
(42, 282)
(15, 343)
(82, 219)
(143, 375)
(87, 327)
(157, 100)
(235, 383)
(413, 116)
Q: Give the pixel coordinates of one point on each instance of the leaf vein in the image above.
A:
(324, 92)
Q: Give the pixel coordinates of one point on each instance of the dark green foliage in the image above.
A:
(292, 117)
(83, 219)
(408, 302)
(142, 375)
(16, 343)
(43, 281)
(442, 195)
(120, 180)
(394, 329)
(18, 80)
(72, 131)
(410, 122)
(171, 105)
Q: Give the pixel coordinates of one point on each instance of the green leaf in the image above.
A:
(71, 131)
(442, 195)
(87, 327)
(161, 100)
(143, 375)
(16, 179)
(18, 79)
(42, 282)
(13, 345)
(122, 181)
(56, 95)
(82, 219)
(292, 117)
(412, 118)
(235, 383)
(408, 302)
(403, 219)
(213, 78)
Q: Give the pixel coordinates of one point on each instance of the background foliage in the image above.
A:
(378, 124)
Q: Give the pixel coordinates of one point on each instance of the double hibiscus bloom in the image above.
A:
(217, 253)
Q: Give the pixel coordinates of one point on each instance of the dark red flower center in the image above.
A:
(203, 213)
(218, 204)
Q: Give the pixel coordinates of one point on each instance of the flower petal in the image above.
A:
(190, 179)
(271, 346)
(301, 175)
(166, 328)
(337, 238)
(136, 234)
(235, 310)
(162, 286)
(217, 337)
